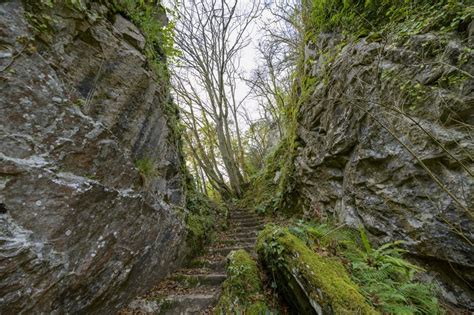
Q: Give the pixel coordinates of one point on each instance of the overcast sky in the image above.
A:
(249, 58)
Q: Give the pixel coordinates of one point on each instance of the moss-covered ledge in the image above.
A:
(242, 291)
(310, 283)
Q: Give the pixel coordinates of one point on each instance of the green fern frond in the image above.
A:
(365, 240)
(385, 278)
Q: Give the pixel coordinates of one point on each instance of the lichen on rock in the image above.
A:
(386, 133)
(82, 231)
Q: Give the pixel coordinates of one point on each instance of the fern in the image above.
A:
(388, 279)
(385, 278)
(365, 240)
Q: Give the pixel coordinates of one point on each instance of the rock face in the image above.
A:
(387, 142)
(81, 231)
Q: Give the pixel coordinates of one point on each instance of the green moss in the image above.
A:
(159, 35)
(242, 292)
(359, 18)
(146, 167)
(202, 219)
(187, 281)
(258, 308)
(200, 228)
(165, 305)
(385, 279)
(285, 253)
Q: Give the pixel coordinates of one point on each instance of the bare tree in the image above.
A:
(210, 35)
(257, 141)
(279, 49)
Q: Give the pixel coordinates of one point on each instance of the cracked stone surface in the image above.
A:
(81, 231)
(353, 164)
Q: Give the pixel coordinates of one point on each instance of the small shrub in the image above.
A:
(202, 219)
(146, 167)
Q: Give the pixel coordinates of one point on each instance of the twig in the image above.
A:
(13, 59)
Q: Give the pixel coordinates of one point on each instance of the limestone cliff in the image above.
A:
(386, 141)
(82, 230)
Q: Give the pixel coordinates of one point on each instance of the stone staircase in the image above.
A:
(196, 289)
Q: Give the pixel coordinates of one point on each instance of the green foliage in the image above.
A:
(242, 292)
(39, 17)
(146, 167)
(385, 278)
(200, 220)
(76, 4)
(274, 187)
(40, 14)
(323, 235)
(454, 80)
(359, 17)
(388, 280)
(149, 17)
(325, 279)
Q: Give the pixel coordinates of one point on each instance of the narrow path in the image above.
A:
(196, 290)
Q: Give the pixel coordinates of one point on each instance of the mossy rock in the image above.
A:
(311, 283)
(242, 291)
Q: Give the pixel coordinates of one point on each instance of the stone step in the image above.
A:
(195, 280)
(241, 240)
(241, 212)
(246, 220)
(189, 304)
(237, 235)
(174, 304)
(243, 215)
(226, 250)
(218, 266)
(244, 229)
(246, 224)
(212, 265)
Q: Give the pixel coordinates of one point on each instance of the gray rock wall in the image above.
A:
(81, 231)
(387, 143)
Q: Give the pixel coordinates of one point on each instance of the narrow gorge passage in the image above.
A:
(196, 289)
(237, 157)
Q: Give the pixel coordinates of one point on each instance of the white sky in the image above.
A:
(249, 60)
